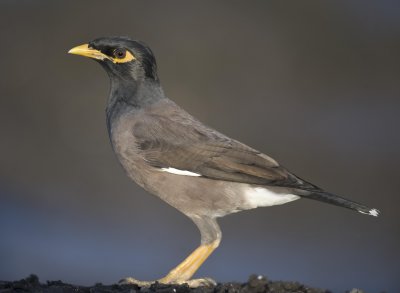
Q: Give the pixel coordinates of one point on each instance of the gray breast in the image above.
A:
(125, 147)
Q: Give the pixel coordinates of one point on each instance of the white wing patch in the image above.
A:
(263, 197)
(179, 172)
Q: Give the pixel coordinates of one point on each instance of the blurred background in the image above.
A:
(320, 78)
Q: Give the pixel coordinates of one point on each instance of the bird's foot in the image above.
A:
(132, 281)
(204, 282)
(193, 283)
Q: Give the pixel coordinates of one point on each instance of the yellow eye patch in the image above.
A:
(122, 56)
(119, 55)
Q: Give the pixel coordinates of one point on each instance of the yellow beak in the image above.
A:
(85, 51)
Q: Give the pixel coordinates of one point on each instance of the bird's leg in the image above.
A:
(210, 239)
(186, 269)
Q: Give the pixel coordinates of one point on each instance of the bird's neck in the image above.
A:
(136, 94)
(131, 95)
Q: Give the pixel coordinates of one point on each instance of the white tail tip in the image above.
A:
(374, 212)
(371, 212)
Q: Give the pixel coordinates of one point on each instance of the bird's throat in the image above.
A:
(134, 93)
(131, 95)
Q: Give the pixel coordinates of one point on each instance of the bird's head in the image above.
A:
(121, 57)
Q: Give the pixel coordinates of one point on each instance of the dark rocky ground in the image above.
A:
(255, 284)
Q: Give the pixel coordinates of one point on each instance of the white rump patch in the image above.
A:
(179, 172)
(263, 197)
(371, 212)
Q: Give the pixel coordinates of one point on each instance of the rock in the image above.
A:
(255, 284)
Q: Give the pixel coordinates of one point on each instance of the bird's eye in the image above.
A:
(120, 53)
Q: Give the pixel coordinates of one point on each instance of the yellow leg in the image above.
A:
(186, 269)
(210, 239)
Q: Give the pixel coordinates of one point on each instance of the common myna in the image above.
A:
(194, 168)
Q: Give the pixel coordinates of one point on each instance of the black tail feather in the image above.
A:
(340, 201)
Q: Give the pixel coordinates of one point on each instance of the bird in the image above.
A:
(199, 171)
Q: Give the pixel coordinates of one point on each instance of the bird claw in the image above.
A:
(204, 282)
(132, 281)
(193, 283)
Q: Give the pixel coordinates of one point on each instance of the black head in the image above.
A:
(122, 58)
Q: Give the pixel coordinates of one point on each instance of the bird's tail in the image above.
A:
(341, 201)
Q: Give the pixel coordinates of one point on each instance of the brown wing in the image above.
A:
(181, 142)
